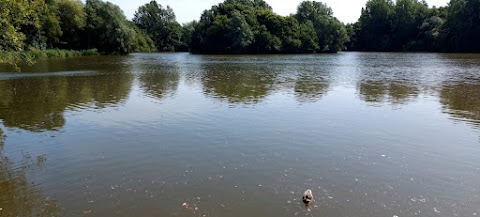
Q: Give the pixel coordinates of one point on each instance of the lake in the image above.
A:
(372, 134)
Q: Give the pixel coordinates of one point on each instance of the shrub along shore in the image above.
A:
(31, 56)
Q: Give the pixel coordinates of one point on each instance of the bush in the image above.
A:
(12, 58)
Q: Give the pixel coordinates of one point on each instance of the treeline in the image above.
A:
(69, 24)
(236, 26)
(410, 25)
(245, 26)
(250, 26)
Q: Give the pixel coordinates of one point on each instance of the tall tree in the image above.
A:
(463, 26)
(331, 33)
(250, 26)
(375, 26)
(14, 17)
(45, 30)
(408, 17)
(160, 24)
(72, 22)
(107, 28)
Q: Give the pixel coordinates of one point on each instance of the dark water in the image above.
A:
(371, 134)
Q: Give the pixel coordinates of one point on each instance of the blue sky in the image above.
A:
(347, 11)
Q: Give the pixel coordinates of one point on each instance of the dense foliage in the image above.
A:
(235, 26)
(68, 24)
(410, 25)
(161, 26)
(250, 26)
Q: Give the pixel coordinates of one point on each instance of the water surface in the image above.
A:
(372, 134)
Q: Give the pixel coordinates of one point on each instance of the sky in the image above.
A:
(347, 11)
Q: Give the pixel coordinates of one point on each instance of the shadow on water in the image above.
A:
(18, 195)
(38, 103)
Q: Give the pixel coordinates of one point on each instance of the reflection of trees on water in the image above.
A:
(462, 101)
(38, 103)
(72, 64)
(251, 84)
(160, 82)
(237, 84)
(18, 196)
(310, 87)
(387, 91)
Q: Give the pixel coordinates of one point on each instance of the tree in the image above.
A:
(72, 22)
(410, 25)
(462, 27)
(187, 34)
(375, 26)
(44, 31)
(141, 41)
(160, 24)
(331, 33)
(239, 33)
(407, 19)
(14, 16)
(107, 28)
(311, 10)
(250, 26)
(430, 35)
(51, 23)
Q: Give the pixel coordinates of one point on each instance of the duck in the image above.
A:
(307, 197)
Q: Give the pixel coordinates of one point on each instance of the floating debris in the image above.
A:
(307, 197)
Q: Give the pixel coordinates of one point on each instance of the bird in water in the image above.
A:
(307, 197)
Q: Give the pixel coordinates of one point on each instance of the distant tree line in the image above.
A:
(250, 26)
(410, 25)
(237, 27)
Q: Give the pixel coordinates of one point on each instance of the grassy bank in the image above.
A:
(30, 57)
(57, 53)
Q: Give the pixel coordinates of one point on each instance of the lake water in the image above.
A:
(372, 134)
